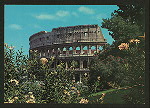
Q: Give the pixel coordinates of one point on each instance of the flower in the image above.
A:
(131, 41)
(73, 88)
(83, 101)
(11, 47)
(30, 93)
(15, 82)
(11, 100)
(68, 93)
(123, 46)
(52, 58)
(30, 98)
(15, 98)
(43, 60)
(30, 101)
(137, 41)
(65, 92)
(102, 97)
(5, 44)
(35, 50)
(98, 77)
(73, 80)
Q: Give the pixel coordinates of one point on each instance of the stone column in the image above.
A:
(89, 49)
(81, 49)
(40, 54)
(61, 50)
(66, 65)
(50, 52)
(81, 64)
(74, 49)
(97, 48)
(67, 51)
(80, 77)
(43, 53)
(88, 62)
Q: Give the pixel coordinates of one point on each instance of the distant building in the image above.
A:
(78, 43)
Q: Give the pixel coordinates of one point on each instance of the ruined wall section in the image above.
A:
(81, 33)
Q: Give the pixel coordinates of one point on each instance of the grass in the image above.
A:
(113, 96)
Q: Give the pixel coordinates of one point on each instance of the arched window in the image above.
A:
(100, 47)
(64, 49)
(78, 48)
(70, 48)
(93, 48)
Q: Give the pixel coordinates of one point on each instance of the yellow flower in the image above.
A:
(83, 101)
(73, 88)
(65, 92)
(137, 41)
(123, 46)
(15, 98)
(30, 101)
(6, 102)
(68, 93)
(32, 97)
(30, 93)
(103, 95)
(15, 82)
(52, 58)
(60, 66)
(43, 60)
(11, 100)
(131, 41)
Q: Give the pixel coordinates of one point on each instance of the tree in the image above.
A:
(125, 27)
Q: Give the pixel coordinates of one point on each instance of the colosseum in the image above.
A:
(67, 44)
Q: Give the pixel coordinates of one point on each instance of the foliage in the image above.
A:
(32, 80)
(123, 62)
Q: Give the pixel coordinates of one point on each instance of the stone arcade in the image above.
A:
(78, 43)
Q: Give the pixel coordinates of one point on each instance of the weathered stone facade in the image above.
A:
(77, 43)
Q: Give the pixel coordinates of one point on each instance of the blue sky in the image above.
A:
(21, 21)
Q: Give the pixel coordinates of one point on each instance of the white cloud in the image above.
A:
(86, 10)
(62, 13)
(45, 17)
(15, 26)
(75, 14)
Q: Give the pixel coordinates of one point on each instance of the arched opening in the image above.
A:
(77, 77)
(53, 51)
(64, 50)
(78, 64)
(58, 51)
(78, 50)
(85, 50)
(100, 47)
(85, 64)
(93, 49)
(70, 50)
